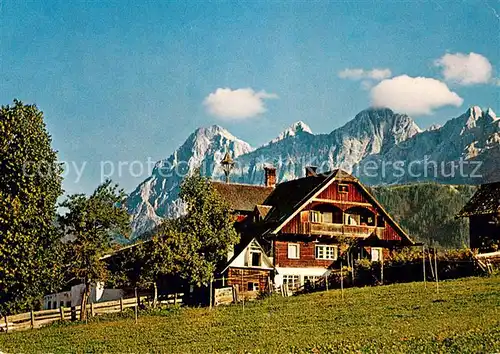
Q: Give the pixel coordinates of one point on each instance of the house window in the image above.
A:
(326, 252)
(352, 219)
(311, 280)
(343, 188)
(253, 286)
(61, 303)
(376, 253)
(315, 216)
(291, 281)
(380, 221)
(68, 303)
(327, 217)
(293, 251)
(256, 258)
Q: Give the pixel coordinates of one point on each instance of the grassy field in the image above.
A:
(463, 317)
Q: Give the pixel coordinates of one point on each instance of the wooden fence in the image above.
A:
(35, 319)
(170, 299)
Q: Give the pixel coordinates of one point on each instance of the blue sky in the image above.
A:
(124, 81)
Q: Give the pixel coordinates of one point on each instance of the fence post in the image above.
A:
(235, 293)
(430, 263)
(121, 304)
(6, 324)
(175, 297)
(91, 309)
(61, 313)
(136, 305)
(326, 282)
(342, 280)
(242, 295)
(423, 266)
(32, 319)
(382, 270)
(73, 313)
(211, 293)
(352, 270)
(436, 269)
(155, 294)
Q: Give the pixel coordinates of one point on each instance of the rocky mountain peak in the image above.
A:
(473, 114)
(475, 118)
(212, 131)
(293, 130)
(375, 134)
(492, 115)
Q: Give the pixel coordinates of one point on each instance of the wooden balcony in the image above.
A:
(312, 228)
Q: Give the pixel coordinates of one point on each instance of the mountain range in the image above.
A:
(379, 146)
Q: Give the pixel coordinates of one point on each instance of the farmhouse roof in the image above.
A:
(289, 198)
(243, 197)
(292, 194)
(486, 200)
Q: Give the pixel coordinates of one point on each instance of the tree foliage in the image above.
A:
(30, 184)
(191, 247)
(91, 223)
(427, 211)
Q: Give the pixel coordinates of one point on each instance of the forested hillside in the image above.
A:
(427, 211)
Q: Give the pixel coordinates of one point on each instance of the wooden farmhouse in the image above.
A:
(483, 211)
(296, 234)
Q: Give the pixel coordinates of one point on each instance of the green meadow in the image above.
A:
(463, 317)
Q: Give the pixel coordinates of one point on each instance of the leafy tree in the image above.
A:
(30, 183)
(91, 223)
(209, 219)
(196, 244)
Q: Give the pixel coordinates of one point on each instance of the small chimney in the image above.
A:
(311, 171)
(270, 176)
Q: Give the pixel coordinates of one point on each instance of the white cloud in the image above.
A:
(236, 104)
(413, 95)
(465, 69)
(366, 85)
(361, 74)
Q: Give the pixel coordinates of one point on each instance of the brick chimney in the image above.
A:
(270, 176)
(311, 171)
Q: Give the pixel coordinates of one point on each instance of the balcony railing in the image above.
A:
(312, 228)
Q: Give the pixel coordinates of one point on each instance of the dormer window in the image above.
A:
(256, 258)
(380, 221)
(343, 188)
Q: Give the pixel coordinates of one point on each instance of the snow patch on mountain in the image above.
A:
(295, 129)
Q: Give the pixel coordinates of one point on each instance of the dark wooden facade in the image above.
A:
(307, 257)
(483, 211)
(484, 232)
(352, 200)
(303, 226)
(325, 219)
(247, 278)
